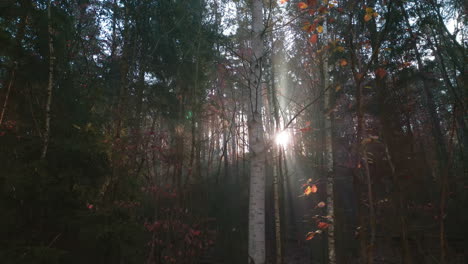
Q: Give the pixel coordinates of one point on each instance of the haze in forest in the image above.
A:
(237, 131)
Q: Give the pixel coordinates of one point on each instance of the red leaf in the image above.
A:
(322, 225)
(310, 235)
(313, 39)
(314, 188)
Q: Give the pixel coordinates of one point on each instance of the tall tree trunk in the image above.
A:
(256, 241)
(46, 135)
(278, 175)
(328, 128)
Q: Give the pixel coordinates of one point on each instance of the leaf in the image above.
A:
(312, 2)
(321, 204)
(343, 62)
(307, 191)
(359, 76)
(313, 39)
(366, 141)
(369, 10)
(367, 17)
(323, 225)
(319, 29)
(302, 5)
(310, 235)
(338, 88)
(283, 1)
(375, 14)
(380, 72)
(340, 49)
(314, 188)
(310, 189)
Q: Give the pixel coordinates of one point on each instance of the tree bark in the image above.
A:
(46, 135)
(328, 98)
(256, 242)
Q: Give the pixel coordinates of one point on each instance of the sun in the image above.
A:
(283, 138)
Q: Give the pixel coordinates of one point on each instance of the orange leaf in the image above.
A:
(302, 5)
(367, 17)
(310, 235)
(321, 204)
(322, 225)
(310, 189)
(313, 39)
(283, 1)
(343, 62)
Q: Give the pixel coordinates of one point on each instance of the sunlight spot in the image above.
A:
(283, 138)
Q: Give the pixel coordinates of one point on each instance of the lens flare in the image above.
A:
(283, 138)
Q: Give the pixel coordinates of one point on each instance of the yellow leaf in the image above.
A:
(369, 10)
(319, 29)
(340, 49)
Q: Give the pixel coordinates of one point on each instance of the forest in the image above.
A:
(233, 131)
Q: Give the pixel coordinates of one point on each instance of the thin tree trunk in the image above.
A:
(46, 135)
(256, 242)
(278, 175)
(328, 98)
(7, 95)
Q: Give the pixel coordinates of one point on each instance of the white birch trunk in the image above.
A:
(256, 243)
